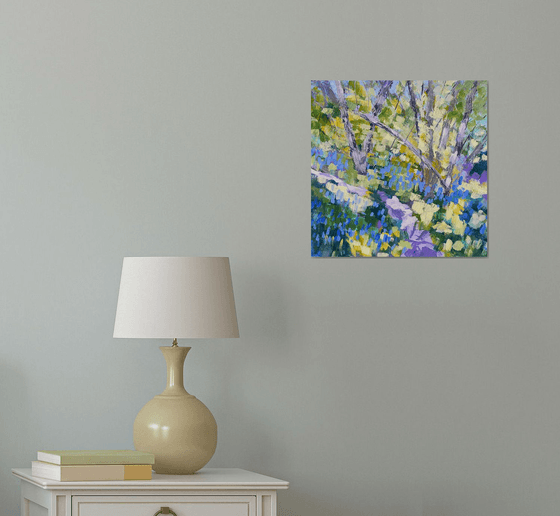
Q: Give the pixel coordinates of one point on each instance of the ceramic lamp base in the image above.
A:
(175, 426)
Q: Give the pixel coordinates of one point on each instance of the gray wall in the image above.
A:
(376, 387)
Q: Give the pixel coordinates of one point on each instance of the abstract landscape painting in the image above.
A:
(399, 168)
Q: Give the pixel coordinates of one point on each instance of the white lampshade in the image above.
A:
(176, 297)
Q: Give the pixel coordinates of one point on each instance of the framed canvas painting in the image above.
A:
(399, 169)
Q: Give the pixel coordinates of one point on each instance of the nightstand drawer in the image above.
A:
(217, 505)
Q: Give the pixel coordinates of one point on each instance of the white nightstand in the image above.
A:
(210, 492)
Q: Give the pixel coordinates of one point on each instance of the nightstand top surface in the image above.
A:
(206, 478)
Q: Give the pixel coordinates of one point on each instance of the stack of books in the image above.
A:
(81, 465)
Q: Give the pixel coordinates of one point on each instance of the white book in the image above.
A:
(95, 457)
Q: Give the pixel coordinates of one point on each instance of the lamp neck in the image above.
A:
(175, 358)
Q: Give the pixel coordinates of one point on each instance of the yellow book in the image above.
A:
(72, 457)
(91, 472)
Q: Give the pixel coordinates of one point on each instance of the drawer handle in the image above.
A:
(165, 510)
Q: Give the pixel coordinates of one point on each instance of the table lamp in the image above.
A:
(175, 298)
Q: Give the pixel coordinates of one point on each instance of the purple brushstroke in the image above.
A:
(481, 178)
(467, 167)
(421, 241)
(399, 211)
(422, 245)
(359, 190)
